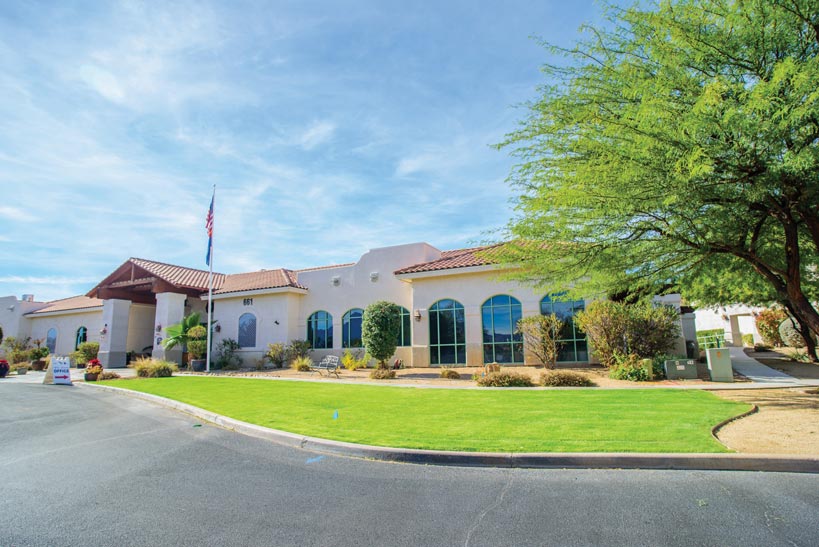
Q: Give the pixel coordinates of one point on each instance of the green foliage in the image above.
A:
(616, 329)
(198, 333)
(790, 335)
(382, 374)
(302, 363)
(540, 336)
(505, 378)
(628, 367)
(450, 374)
(154, 368)
(677, 146)
(225, 355)
(178, 335)
(299, 348)
(16, 349)
(355, 361)
(276, 354)
(380, 328)
(748, 340)
(197, 349)
(565, 378)
(36, 354)
(801, 356)
(767, 323)
(89, 350)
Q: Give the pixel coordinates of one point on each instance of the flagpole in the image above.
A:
(210, 289)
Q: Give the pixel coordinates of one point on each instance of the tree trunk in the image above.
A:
(805, 331)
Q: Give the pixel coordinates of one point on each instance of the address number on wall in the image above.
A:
(247, 302)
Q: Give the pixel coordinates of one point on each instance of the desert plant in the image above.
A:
(197, 342)
(78, 358)
(299, 348)
(16, 349)
(630, 367)
(540, 335)
(605, 323)
(302, 364)
(108, 375)
(177, 334)
(382, 374)
(355, 361)
(154, 368)
(767, 323)
(565, 378)
(276, 354)
(505, 379)
(89, 350)
(450, 374)
(38, 353)
(226, 357)
(380, 328)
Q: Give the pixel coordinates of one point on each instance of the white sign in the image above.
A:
(61, 370)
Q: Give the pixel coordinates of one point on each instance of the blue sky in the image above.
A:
(329, 128)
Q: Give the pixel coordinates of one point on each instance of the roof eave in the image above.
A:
(254, 292)
(449, 271)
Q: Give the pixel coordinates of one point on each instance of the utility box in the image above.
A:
(719, 365)
(676, 369)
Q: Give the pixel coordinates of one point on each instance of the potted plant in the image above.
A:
(92, 370)
(177, 335)
(38, 355)
(4, 368)
(20, 368)
(197, 347)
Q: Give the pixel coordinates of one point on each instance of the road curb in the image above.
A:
(574, 460)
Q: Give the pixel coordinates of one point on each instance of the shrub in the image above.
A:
(154, 368)
(383, 373)
(380, 328)
(38, 353)
(226, 358)
(767, 323)
(761, 347)
(540, 334)
(505, 379)
(801, 356)
(276, 354)
(298, 348)
(302, 364)
(629, 367)
(748, 340)
(89, 350)
(617, 329)
(197, 342)
(16, 349)
(450, 374)
(565, 378)
(109, 376)
(354, 361)
(790, 335)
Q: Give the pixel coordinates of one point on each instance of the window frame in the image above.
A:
(313, 322)
(346, 328)
(459, 346)
(578, 336)
(515, 344)
(239, 330)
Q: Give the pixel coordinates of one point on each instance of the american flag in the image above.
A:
(209, 228)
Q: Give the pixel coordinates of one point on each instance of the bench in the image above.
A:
(328, 363)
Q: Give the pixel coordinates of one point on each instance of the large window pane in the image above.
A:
(247, 330)
(51, 340)
(500, 315)
(351, 328)
(320, 330)
(446, 333)
(574, 340)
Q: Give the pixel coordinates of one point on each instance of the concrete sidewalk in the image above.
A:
(759, 373)
(36, 377)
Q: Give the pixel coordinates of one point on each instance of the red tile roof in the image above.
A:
(179, 276)
(71, 303)
(314, 268)
(264, 279)
(458, 258)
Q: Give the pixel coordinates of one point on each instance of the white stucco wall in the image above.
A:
(12, 316)
(719, 317)
(67, 323)
(140, 327)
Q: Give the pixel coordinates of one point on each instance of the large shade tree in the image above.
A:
(675, 141)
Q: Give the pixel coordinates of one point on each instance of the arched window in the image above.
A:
(82, 337)
(405, 334)
(247, 330)
(501, 342)
(573, 340)
(351, 328)
(320, 330)
(51, 340)
(447, 342)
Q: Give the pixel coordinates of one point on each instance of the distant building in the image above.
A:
(455, 309)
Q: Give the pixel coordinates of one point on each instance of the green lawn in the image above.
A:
(595, 420)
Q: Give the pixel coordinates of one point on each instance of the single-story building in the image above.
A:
(456, 309)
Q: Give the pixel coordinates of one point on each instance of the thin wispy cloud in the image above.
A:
(327, 129)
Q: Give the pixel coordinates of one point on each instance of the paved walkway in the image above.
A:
(759, 373)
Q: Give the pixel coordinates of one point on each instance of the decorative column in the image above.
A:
(170, 310)
(114, 333)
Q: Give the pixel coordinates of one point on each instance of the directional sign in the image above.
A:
(59, 371)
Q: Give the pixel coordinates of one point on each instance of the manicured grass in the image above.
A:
(595, 420)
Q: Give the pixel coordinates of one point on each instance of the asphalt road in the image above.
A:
(86, 467)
